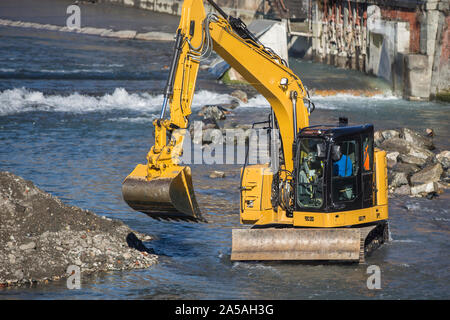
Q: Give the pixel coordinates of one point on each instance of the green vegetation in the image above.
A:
(226, 79)
(443, 96)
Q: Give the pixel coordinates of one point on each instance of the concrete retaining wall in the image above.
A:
(385, 39)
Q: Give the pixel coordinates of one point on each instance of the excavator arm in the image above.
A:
(162, 188)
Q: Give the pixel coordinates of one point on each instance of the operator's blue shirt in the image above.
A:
(343, 167)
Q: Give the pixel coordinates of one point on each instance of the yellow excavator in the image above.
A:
(326, 199)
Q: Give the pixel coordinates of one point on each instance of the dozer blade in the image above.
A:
(169, 196)
(338, 244)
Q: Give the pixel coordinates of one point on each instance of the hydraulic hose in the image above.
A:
(173, 67)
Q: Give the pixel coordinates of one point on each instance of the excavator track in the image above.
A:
(372, 237)
(308, 244)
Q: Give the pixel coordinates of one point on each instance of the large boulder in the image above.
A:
(397, 179)
(395, 144)
(406, 167)
(217, 174)
(444, 159)
(215, 112)
(431, 173)
(389, 134)
(378, 138)
(408, 143)
(241, 95)
(403, 190)
(407, 158)
(417, 139)
(421, 153)
(391, 158)
(425, 188)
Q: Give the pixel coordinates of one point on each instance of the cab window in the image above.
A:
(345, 166)
(311, 161)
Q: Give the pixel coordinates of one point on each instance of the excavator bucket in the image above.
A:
(169, 196)
(309, 244)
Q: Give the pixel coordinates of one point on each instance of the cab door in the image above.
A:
(346, 174)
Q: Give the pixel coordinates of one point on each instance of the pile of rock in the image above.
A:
(40, 237)
(415, 166)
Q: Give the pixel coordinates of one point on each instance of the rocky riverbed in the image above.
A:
(416, 166)
(40, 237)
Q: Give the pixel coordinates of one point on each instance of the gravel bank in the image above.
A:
(40, 237)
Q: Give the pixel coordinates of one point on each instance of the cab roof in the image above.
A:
(334, 131)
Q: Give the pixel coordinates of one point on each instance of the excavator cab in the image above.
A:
(334, 168)
(337, 209)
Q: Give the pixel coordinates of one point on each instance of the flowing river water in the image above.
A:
(76, 117)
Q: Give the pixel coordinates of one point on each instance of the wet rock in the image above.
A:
(389, 134)
(444, 159)
(215, 112)
(424, 189)
(391, 158)
(210, 123)
(234, 103)
(406, 158)
(396, 179)
(421, 153)
(432, 195)
(403, 190)
(405, 167)
(241, 95)
(217, 174)
(417, 139)
(395, 144)
(431, 173)
(378, 138)
(42, 236)
(443, 185)
(446, 176)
